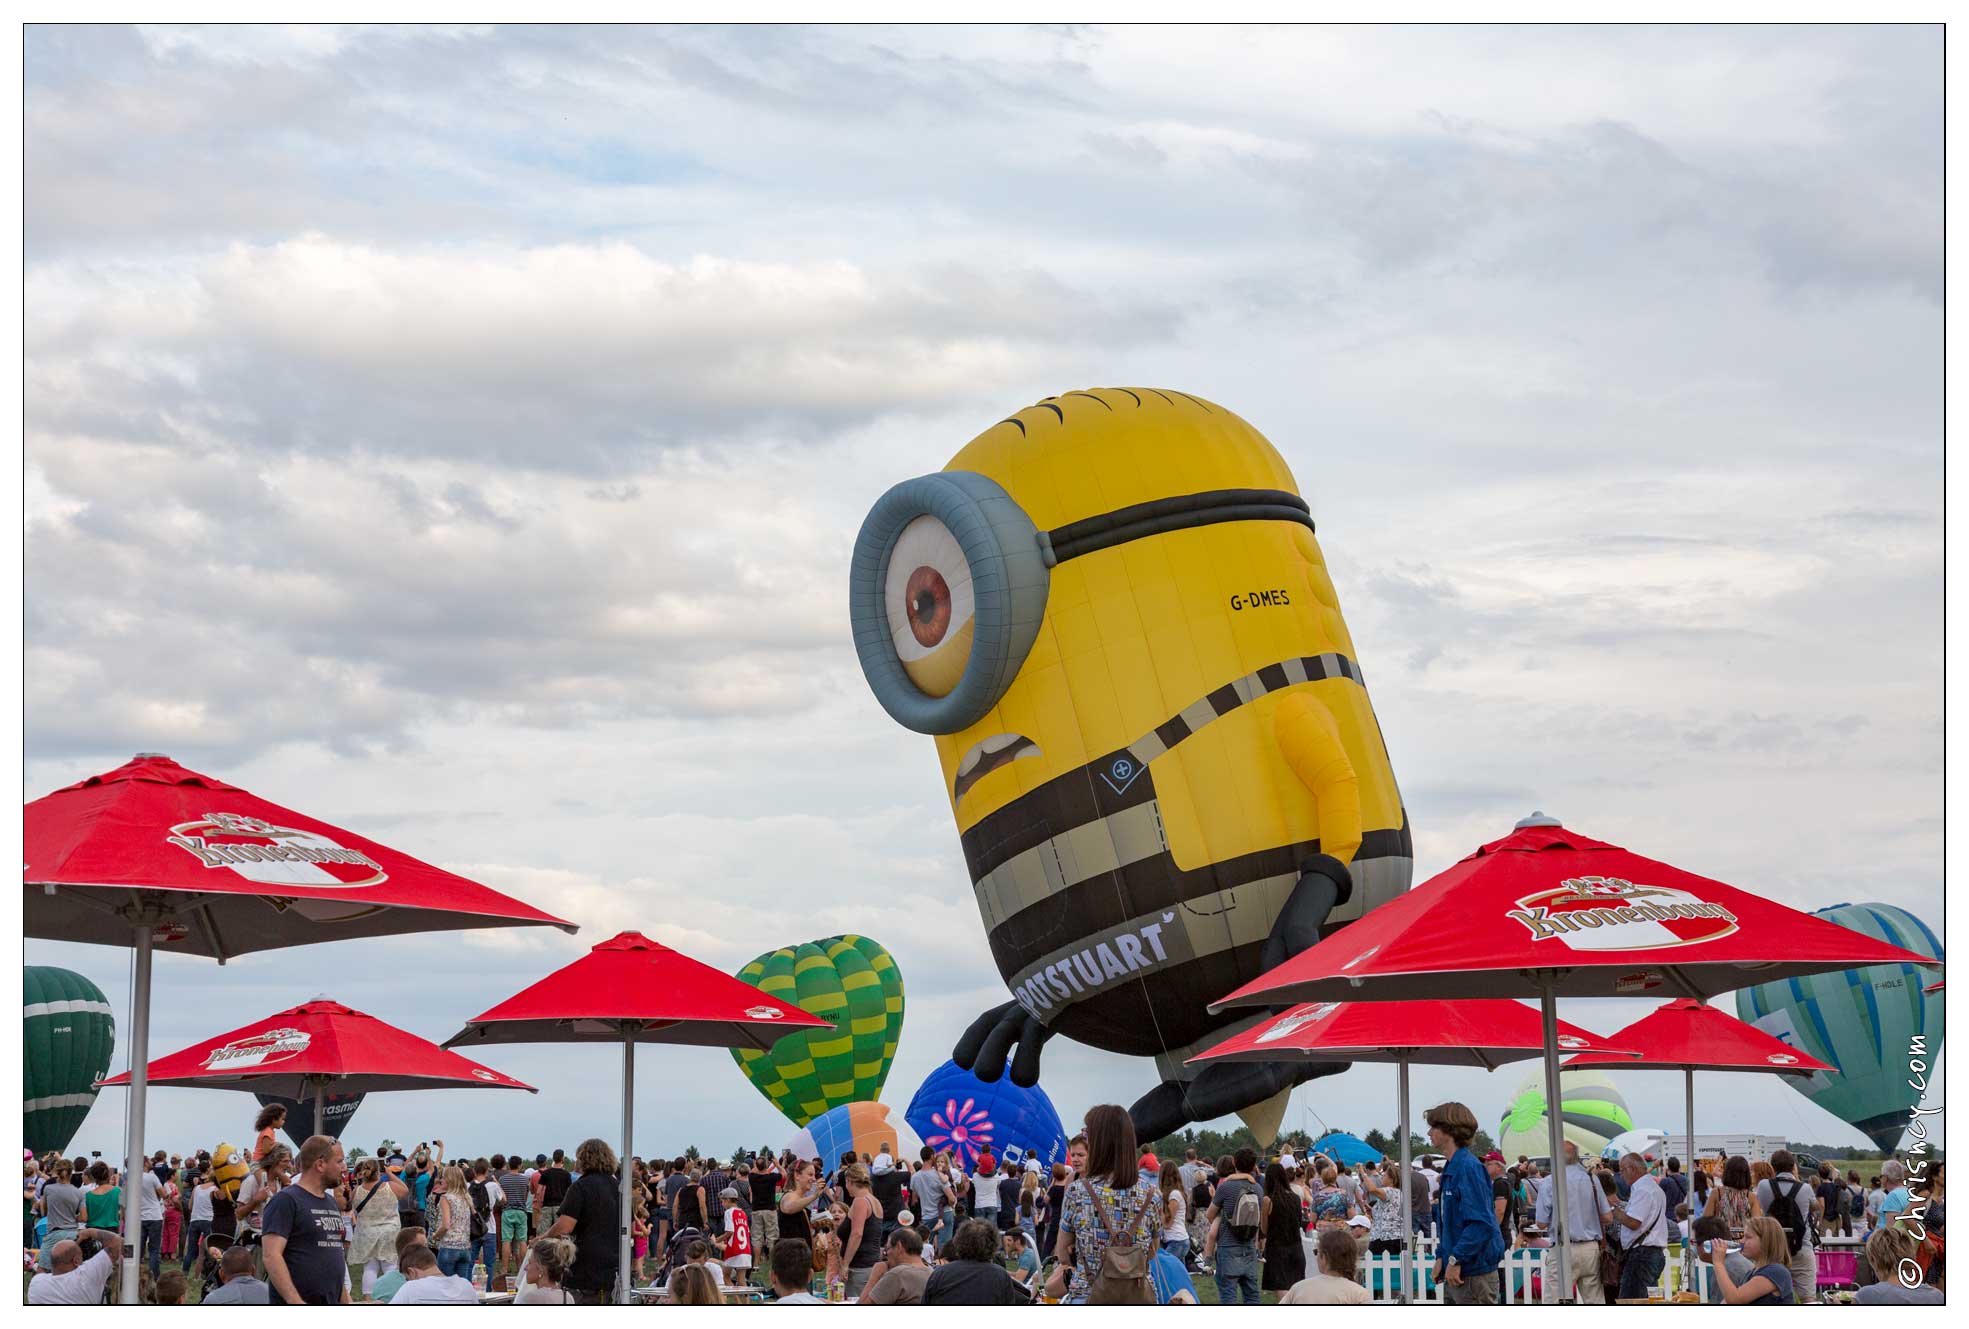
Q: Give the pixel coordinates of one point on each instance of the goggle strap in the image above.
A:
(1161, 515)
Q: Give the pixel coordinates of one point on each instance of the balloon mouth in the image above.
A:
(986, 756)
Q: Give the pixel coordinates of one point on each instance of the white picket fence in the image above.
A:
(1520, 1278)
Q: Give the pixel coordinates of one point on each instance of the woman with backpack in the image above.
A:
(371, 1203)
(1110, 1221)
(1795, 1206)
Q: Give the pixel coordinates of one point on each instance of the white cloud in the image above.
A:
(461, 435)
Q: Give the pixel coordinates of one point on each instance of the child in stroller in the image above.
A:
(676, 1250)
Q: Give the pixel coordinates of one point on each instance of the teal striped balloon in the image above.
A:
(68, 1033)
(1864, 1021)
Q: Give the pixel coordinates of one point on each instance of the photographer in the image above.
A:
(71, 1280)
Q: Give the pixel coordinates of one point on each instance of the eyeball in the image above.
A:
(931, 605)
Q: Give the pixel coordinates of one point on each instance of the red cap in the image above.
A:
(1493, 1157)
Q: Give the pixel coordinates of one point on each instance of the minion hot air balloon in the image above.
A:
(1111, 612)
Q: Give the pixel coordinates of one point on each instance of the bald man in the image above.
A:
(237, 1286)
(72, 1280)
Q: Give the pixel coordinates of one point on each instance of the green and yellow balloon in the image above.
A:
(849, 980)
(67, 1036)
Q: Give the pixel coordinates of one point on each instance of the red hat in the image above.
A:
(1493, 1157)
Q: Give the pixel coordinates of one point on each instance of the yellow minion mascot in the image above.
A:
(1111, 612)
(229, 1169)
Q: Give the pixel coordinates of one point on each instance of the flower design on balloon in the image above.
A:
(964, 1130)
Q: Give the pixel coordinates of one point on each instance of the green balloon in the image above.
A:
(68, 1033)
(854, 983)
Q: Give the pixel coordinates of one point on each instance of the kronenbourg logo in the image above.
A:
(1292, 1021)
(267, 1049)
(764, 1013)
(487, 1076)
(277, 855)
(1611, 914)
(1781, 1059)
(1573, 1041)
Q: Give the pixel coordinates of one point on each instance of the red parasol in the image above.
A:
(1593, 918)
(216, 871)
(307, 1050)
(1548, 911)
(1433, 1033)
(632, 990)
(1687, 1035)
(152, 855)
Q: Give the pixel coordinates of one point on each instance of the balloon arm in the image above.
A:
(991, 1038)
(1309, 741)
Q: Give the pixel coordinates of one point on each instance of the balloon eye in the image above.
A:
(930, 605)
(938, 647)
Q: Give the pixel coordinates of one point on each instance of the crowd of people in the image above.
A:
(1108, 1224)
(1760, 1225)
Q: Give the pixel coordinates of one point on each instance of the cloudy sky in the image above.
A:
(460, 435)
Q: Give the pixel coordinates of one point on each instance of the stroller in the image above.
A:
(673, 1252)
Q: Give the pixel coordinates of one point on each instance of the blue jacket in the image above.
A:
(1468, 1233)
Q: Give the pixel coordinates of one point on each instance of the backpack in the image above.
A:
(1123, 1276)
(481, 1209)
(1246, 1214)
(1784, 1208)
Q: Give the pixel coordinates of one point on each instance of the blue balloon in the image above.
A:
(1345, 1149)
(954, 1110)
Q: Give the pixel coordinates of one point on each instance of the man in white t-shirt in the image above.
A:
(423, 1285)
(150, 1214)
(72, 1280)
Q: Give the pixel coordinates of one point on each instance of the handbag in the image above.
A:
(1610, 1257)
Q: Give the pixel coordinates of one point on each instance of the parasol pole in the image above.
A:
(321, 1105)
(1688, 1241)
(623, 1247)
(1548, 1006)
(1408, 1217)
(133, 1140)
